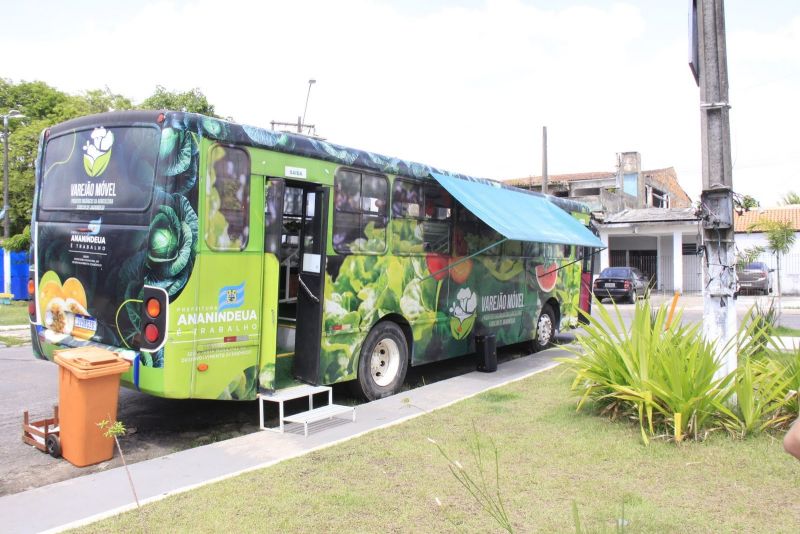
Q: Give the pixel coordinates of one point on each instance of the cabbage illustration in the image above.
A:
(172, 245)
(98, 151)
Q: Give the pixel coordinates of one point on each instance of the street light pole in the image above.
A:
(6, 271)
(12, 114)
(308, 94)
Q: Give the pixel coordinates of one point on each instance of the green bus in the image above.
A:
(224, 260)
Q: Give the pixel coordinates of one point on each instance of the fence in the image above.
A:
(693, 272)
(15, 274)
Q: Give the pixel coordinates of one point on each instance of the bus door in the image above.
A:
(224, 321)
(311, 284)
(587, 267)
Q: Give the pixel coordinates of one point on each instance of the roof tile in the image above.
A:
(749, 219)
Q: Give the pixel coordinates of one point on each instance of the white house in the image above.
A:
(747, 235)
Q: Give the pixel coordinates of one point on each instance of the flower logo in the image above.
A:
(463, 313)
(98, 151)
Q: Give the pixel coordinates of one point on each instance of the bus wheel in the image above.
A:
(545, 329)
(383, 362)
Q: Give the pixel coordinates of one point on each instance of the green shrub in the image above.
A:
(663, 376)
(666, 377)
(758, 327)
(760, 388)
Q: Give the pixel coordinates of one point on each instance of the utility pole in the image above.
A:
(300, 125)
(544, 159)
(709, 63)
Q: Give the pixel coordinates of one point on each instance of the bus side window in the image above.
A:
(474, 235)
(512, 249)
(228, 199)
(273, 207)
(407, 214)
(437, 219)
(359, 212)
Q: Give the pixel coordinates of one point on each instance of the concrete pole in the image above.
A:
(544, 159)
(677, 261)
(659, 282)
(604, 259)
(719, 274)
(6, 254)
(5, 176)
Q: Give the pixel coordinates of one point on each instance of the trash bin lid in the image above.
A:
(90, 361)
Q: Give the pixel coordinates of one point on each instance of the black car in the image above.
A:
(621, 282)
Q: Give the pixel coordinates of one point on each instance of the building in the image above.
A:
(749, 235)
(644, 216)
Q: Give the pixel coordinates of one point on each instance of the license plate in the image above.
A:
(611, 284)
(746, 284)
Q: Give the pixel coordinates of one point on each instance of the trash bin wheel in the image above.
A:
(53, 446)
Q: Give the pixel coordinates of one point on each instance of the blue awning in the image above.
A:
(518, 215)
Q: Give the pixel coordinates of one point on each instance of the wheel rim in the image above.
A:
(384, 362)
(544, 330)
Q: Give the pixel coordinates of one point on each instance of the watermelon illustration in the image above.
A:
(547, 276)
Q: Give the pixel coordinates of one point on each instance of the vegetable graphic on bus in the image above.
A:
(223, 260)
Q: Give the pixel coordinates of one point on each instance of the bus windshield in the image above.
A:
(104, 169)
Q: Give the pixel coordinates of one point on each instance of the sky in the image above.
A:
(461, 85)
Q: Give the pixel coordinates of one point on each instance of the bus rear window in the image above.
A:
(104, 169)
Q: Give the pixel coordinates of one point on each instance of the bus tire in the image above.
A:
(545, 329)
(383, 362)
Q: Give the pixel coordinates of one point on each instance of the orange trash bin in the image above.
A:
(88, 391)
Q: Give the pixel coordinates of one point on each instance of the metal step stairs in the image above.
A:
(312, 415)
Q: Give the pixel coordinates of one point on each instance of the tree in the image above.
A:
(742, 203)
(193, 101)
(790, 198)
(781, 236)
(43, 106)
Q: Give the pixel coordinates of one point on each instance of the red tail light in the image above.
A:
(32, 299)
(151, 333)
(627, 285)
(154, 318)
(153, 308)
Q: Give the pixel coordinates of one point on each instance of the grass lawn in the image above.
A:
(14, 313)
(549, 456)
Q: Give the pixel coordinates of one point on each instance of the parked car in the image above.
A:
(754, 276)
(621, 282)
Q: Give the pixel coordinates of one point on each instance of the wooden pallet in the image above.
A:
(38, 433)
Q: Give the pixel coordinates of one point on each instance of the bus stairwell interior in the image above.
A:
(289, 256)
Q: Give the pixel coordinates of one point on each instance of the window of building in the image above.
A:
(630, 184)
(586, 192)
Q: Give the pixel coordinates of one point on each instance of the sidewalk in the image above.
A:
(75, 502)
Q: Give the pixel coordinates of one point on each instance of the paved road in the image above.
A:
(692, 306)
(162, 426)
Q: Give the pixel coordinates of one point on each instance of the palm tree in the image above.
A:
(790, 198)
(780, 238)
